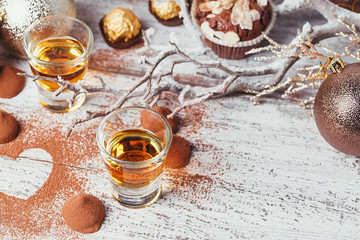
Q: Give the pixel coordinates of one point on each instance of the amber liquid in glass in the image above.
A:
(134, 145)
(59, 50)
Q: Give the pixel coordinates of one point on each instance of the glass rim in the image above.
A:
(81, 58)
(153, 159)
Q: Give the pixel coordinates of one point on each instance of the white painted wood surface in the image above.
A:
(256, 172)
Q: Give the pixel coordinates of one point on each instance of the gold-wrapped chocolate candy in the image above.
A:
(121, 28)
(167, 12)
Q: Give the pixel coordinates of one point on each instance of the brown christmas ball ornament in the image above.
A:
(352, 5)
(151, 123)
(16, 16)
(179, 153)
(84, 213)
(337, 108)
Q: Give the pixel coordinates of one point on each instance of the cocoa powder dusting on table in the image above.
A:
(189, 186)
(193, 187)
(99, 59)
(194, 117)
(41, 211)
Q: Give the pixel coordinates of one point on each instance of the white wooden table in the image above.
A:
(256, 172)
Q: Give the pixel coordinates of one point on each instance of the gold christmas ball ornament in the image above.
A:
(337, 108)
(17, 15)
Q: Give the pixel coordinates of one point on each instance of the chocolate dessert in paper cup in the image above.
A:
(232, 27)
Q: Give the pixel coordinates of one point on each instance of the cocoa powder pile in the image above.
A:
(84, 213)
(9, 127)
(25, 218)
(11, 84)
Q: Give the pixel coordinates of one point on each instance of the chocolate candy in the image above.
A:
(121, 28)
(166, 12)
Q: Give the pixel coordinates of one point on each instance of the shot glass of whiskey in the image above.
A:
(134, 156)
(59, 46)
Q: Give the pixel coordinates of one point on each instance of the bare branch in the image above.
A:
(230, 78)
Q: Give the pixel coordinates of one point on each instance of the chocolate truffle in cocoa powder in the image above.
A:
(179, 153)
(84, 213)
(153, 124)
(9, 127)
(11, 84)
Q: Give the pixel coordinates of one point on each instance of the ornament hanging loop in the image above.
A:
(335, 64)
(2, 15)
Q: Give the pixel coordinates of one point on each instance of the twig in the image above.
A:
(232, 79)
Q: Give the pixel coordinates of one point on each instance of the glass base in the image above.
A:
(140, 202)
(60, 104)
(136, 198)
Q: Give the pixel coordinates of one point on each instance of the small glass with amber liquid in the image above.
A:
(134, 156)
(59, 47)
